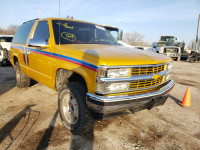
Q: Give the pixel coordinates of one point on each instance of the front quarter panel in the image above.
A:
(67, 60)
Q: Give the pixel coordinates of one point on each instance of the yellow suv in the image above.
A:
(95, 77)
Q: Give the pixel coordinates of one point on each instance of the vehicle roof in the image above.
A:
(166, 36)
(58, 19)
(162, 42)
(5, 35)
(108, 26)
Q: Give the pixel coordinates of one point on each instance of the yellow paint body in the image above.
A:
(43, 68)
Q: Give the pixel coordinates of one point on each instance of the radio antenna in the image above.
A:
(59, 23)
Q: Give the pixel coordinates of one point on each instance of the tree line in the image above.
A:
(135, 39)
(11, 29)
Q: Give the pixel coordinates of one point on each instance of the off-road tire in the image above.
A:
(84, 122)
(192, 59)
(22, 80)
(1, 64)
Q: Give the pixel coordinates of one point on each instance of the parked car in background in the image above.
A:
(167, 48)
(5, 42)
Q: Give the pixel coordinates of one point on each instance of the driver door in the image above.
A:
(39, 58)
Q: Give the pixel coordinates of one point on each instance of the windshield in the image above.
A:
(6, 39)
(164, 44)
(168, 39)
(73, 32)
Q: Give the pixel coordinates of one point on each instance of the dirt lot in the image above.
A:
(29, 119)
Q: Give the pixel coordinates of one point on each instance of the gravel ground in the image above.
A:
(29, 119)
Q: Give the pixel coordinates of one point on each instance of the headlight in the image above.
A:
(118, 73)
(168, 77)
(112, 87)
(169, 67)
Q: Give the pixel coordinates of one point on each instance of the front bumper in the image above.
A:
(172, 54)
(110, 105)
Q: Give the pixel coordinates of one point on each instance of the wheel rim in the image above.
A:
(17, 75)
(70, 108)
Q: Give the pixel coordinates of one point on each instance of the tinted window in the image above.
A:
(22, 33)
(42, 30)
(73, 32)
(6, 39)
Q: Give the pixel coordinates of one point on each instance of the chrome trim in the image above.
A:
(132, 78)
(131, 66)
(134, 97)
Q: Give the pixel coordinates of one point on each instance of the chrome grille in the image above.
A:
(137, 71)
(145, 83)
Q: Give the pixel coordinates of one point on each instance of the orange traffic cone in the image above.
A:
(186, 98)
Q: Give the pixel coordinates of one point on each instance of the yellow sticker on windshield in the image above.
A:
(65, 25)
(68, 36)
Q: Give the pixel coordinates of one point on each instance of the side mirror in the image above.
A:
(121, 34)
(154, 46)
(38, 42)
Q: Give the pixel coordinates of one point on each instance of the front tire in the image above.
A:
(22, 80)
(73, 110)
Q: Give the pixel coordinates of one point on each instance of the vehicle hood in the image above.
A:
(111, 55)
(5, 45)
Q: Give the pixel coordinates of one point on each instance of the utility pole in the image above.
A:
(197, 36)
(39, 11)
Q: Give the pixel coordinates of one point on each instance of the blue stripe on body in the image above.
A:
(66, 57)
(20, 47)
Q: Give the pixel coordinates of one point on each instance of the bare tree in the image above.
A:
(134, 38)
(12, 29)
(1, 30)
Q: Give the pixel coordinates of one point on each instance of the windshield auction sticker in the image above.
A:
(68, 36)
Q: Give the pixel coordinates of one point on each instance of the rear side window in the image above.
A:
(42, 30)
(22, 33)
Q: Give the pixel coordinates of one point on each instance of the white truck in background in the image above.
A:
(117, 34)
(5, 42)
(167, 48)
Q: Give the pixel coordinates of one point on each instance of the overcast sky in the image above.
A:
(150, 17)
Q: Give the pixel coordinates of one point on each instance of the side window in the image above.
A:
(22, 33)
(42, 30)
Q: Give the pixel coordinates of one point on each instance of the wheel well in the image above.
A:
(64, 76)
(15, 59)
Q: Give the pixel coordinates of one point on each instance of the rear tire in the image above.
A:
(192, 59)
(22, 80)
(73, 110)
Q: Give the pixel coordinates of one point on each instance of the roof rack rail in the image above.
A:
(31, 20)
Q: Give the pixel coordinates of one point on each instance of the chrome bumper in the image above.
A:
(107, 105)
(172, 54)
